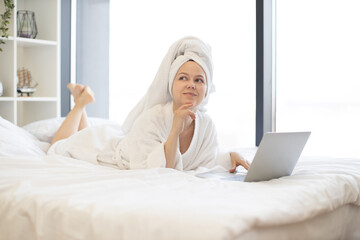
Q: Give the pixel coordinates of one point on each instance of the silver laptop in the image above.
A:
(276, 157)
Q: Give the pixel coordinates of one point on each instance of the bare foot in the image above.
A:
(75, 90)
(86, 97)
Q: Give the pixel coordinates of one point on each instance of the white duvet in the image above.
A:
(53, 197)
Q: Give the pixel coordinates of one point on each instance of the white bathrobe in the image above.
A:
(143, 146)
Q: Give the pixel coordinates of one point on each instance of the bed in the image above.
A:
(55, 197)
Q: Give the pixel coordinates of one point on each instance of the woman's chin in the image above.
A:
(189, 102)
(181, 102)
(195, 104)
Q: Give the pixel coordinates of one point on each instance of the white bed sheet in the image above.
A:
(53, 197)
(342, 223)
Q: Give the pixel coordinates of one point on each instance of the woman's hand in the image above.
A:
(236, 160)
(180, 116)
(172, 142)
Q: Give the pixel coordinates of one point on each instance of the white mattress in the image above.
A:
(51, 197)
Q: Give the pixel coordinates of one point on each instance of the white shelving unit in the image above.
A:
(41, 56)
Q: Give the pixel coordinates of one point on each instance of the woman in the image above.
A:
(167, 128)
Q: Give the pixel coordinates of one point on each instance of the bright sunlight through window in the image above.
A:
(318, 77)
(141, 33)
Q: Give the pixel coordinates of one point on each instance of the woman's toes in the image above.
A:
(71, 86)
(75, 90)
(86, 96)
(78, 88)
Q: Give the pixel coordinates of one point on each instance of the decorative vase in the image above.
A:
(26, 24)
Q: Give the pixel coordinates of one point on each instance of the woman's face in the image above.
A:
(189, 85)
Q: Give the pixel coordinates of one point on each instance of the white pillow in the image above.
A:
(15, 141)
(44, 130)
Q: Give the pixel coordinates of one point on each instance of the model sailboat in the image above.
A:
(26, 84)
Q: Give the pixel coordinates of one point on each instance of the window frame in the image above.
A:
(265, 71)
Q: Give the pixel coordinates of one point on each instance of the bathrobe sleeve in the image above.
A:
(207, 144)
(143, 147)
(207, 152)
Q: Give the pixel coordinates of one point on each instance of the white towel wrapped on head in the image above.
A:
(159, 92)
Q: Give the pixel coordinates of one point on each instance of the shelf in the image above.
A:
(5, 99)
(10, 38)
(41, 56)
(37, 99)
(29, 42)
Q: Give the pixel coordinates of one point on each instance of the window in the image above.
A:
(141, 33)
(317, 68)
